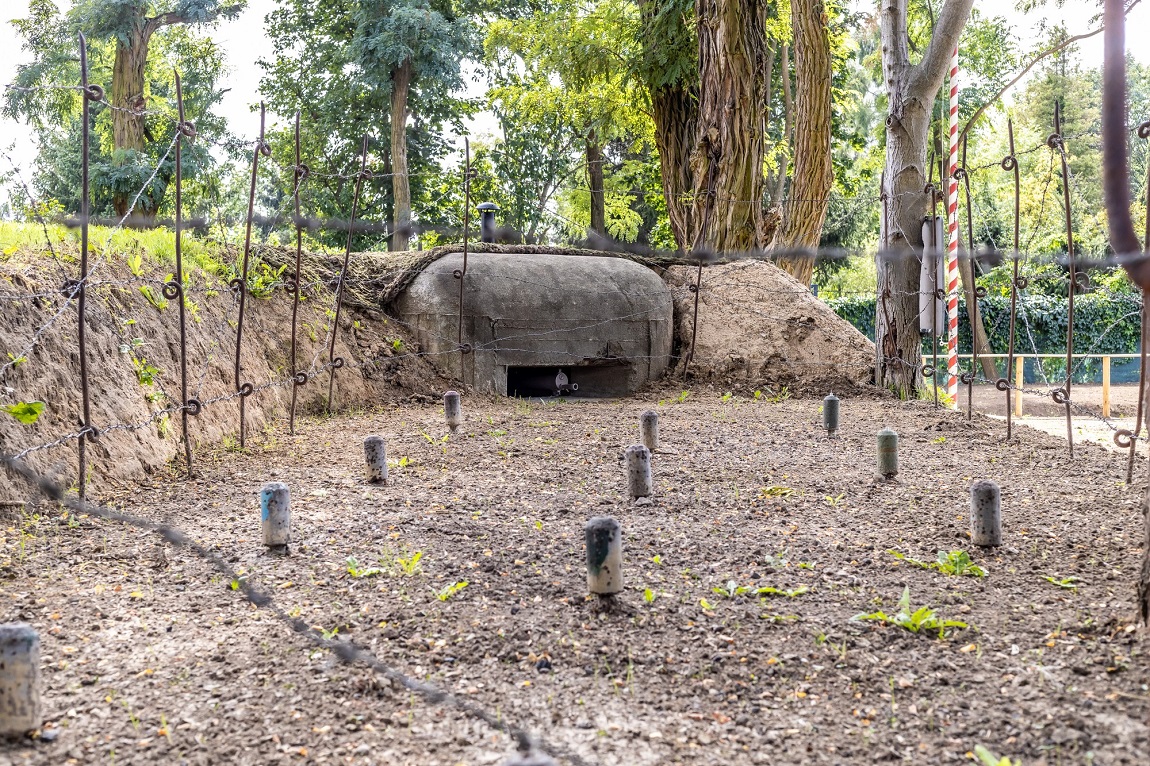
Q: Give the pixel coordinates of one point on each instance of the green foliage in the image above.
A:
(157, 301)
(990, 759)
(1066, 583)
(734, 590)
(26, 412)
(956, 563)
(355, 570)
(446, 592)
(917, 621)
(146, 372)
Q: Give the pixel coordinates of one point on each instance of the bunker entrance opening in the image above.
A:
(589, 381)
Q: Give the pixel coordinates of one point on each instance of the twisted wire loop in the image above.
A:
(265, 148)
(236, 284)
(692, 288)
(89, 430)
(1009, 162)
(927, 371)
(246, 389)
(465, 348)
(337, 363)
(300, 378)
(1060, 396)
(960, 173)
(172, 290)
(1054, 142)
(301, 172)
(967, 378)
(1144, 130)
(457, 273)
(93, 93)
(1123, 438)
(193, 406)
(1002, 384)
(980, 292)
(1021, 282)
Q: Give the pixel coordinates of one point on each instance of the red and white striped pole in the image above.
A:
(952, 242)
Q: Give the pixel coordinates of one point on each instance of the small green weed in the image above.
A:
(26, 412)
(447, 591)
(1066, 583)
(355, 570)
(920, 620)
(990, 759)
(159, 302)
(955, 563)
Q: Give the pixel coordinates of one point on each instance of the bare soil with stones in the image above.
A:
(149, 656)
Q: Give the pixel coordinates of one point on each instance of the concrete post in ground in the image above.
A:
(275, 511)
(453, 410)
(639, 482)
(19, 679)
(375, 452)
(604, 540)
(887, 453)
(985, 514)
(831, 414)
(649, 430)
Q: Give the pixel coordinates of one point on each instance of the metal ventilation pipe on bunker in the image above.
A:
(487, 221)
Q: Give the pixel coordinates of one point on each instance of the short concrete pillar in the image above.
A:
(275, 511)
(453, 410)
(604, 540)
(375, 453)
(985, 513)
(887, 453)
(19, 679)
(649, 430)
(639, 482)
(831, 414)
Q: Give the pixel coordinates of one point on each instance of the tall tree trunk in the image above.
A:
(595, 183)
(675, 112)
(127, 117)
(911, 91)
(727, 159)
(400, 183)
(806, 210)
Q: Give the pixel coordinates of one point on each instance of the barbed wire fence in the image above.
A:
(192, 401)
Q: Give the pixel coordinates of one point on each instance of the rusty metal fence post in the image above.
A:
(174, 290)
(240, 283)
(1010, 164)
(300, 172)
(1143, 133)
(335, 362)
(87, 431)
(459, 274)
(1062, 395)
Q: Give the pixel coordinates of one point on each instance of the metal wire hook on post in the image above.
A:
(700, 240)
(175, 289)
(459, 274)
(1057, 144)
(1010, 164)
(300, 173)
(87, 431)
(333, 361)
(241, 284)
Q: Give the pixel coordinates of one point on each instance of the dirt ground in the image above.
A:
(150, 657)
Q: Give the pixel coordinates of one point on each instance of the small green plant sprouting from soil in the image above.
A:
(727, 397)
(782, 395)
(649, 595)
(990, 759)
(734, 590)
(1066, 583)
(410, 566)
(775, 490)
(447, 591)
(159, 303)
(920, 620)
(402, 462)
(682, 397)
(146, 372)
(356, 571)
(16, 360)
(834, 501)
(135, 261)
(955, 563)
(440, 442)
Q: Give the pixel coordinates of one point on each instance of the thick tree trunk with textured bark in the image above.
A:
(595, 184)
(911, 91)
(727, 158)
(806, 210)
(676, 118)
(400, 183)
(129, 102)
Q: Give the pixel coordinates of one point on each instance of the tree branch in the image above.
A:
(926, 76)
(1040, 57)
(172, 18)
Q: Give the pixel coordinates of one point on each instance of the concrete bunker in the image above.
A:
(541, 324)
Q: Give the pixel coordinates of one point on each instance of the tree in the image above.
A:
(911, 90)
(325, 65)
(135, 46)
(811, 184)
(404, 44)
